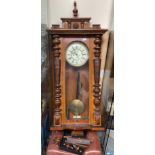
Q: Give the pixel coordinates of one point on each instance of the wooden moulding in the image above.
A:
(87, 128)
(77, 31)
(87, 19)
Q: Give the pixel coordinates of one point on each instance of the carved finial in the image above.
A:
(75, 11)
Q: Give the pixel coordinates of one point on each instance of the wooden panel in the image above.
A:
(91, 79)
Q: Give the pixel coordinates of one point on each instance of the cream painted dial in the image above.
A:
(77, 54)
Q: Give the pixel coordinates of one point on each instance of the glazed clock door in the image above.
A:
(76, 57)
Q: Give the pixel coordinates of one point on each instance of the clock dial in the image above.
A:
(77, 54)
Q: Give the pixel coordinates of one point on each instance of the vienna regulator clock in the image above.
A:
(75, 72)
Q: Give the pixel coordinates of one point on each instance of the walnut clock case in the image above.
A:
(74, 51)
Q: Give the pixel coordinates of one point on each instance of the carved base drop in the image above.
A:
(57, 120)
(97, 120)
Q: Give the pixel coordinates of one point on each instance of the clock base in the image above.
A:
(77, 133)
(76, 128)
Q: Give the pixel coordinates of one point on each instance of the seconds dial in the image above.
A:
(77, 54)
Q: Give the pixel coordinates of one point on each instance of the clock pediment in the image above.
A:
(77, 25)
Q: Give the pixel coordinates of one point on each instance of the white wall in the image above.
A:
(101, 11)
(44, 12)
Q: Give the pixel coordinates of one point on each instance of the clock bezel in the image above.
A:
(86, 47)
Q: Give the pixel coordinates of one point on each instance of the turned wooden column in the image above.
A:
(97, 89)
(57, 88)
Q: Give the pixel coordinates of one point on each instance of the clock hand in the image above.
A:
(73, 48)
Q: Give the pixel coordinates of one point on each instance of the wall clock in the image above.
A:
(74, 51)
